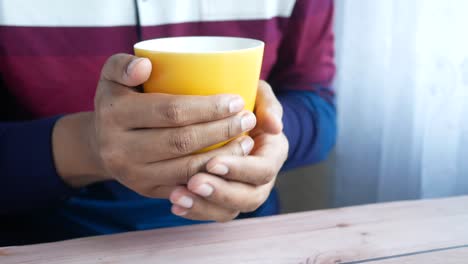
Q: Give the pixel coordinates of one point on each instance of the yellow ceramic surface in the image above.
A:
(204, 66)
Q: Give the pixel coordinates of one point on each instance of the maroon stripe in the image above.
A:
(30, 41)
(306, 54)
(66, 41)
(105, 41)
(50, 85)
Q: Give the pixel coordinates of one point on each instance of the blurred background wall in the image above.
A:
(402, 99)
(311, 188)
(307, 188)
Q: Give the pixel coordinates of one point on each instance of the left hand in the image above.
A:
(236, 184)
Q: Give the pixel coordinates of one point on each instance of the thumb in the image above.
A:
(126, 70)
(268, 110)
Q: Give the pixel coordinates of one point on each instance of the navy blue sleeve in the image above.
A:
(28, 178)
(309, 125)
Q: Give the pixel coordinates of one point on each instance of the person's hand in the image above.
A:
(234, 184)
(145, 141)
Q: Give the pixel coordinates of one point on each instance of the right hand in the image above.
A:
(146, 140)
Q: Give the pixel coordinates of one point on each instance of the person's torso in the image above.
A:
(51, 54)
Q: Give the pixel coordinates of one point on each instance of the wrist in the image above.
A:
(74, 152)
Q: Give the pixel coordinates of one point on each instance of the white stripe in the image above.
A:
(160, 12)
(88, 13)
(247, 9)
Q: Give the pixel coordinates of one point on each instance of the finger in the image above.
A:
(160, 192)
(268, 110)
(151, 145)
(115, 90)
(230, 194)
(257, 169)
(150, 110)
(126, 70)
(251, 169)
(190, 206)
(179, 171)
(136, 110)
(133, 110)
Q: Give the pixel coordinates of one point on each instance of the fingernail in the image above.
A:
(204, 190)
(185, 202)
(181, 213)
(236, 105)
(248, 122)
(132, 64)
(219, 169)
(247, 145)
(177, 210)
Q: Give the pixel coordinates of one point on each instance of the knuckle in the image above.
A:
(238, 150)
(218, 106)
(214, 109)
(110, 65)
(267, 176)
(234, 148)
(227, 130)
(229, 200)
(174, 113)
(194, 165)
(183, 141)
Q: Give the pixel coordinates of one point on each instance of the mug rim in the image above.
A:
(249, 44)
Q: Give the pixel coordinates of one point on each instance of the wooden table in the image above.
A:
(431, 231)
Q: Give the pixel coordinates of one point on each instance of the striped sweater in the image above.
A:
(51, 53)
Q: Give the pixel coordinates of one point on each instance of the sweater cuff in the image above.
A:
(29, 179)
(310, 126)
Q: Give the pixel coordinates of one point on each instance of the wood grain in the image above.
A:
(451, 256)
(327, 236)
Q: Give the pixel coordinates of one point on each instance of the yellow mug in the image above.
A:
(204, 66)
